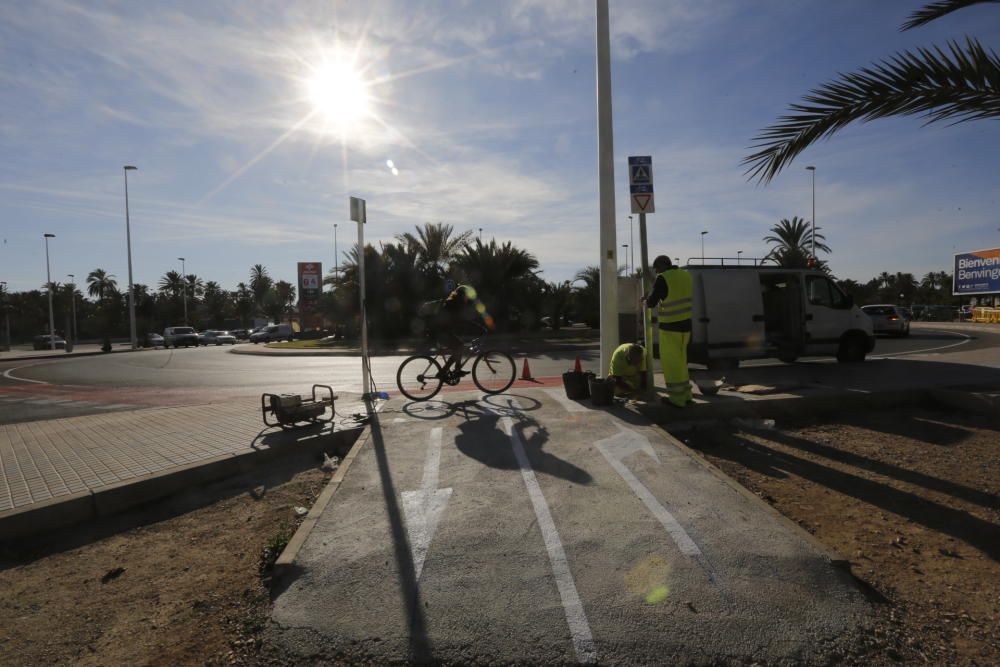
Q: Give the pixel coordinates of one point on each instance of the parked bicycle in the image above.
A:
(421, 376)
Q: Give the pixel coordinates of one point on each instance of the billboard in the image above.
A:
(977, 272)
(310, 287)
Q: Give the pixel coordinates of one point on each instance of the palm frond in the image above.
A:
(936, 10)
(959, 84)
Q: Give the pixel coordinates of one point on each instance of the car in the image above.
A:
(216, 336)
(154, 340)
(240, 334)
(178, 336)
(888, 319)
(965, 312)
(272, 332)
(45, 343)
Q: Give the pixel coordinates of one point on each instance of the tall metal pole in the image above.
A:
(625, 248)
(184, 288)
(813, 170)
(72, 300)
(336, 257)
(128, 243)
(608, 263)
(703, 247)
(48, 279)
(631, 241)
(647, 317)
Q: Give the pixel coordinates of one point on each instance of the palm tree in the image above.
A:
(588, 296)
(435, 246)
(100, 283)
(958, 83)
(286, 293)
(504, 276)
(195, 285)
(244, 299)
(260, 283)
(172, 283)
(793, 242)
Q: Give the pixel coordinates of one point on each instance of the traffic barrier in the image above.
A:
(986, 315)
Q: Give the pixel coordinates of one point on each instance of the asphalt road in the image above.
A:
(62, 387)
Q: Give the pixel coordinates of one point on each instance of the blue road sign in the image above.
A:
(640, 159)
(640, 173)
(641, 189)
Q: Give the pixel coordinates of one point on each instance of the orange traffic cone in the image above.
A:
(525, 371)
(578, 368)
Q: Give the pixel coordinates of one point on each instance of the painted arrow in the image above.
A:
(627, 442)
(422, 509)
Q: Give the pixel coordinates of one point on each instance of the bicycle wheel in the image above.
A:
(494, 371)
(419, 377)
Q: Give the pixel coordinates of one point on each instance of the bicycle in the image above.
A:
(421, 376)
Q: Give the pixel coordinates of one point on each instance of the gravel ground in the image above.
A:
(911, 498)
(179, 583)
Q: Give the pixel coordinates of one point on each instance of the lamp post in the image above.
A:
(128, 242)
(738, 258)
(625, 248)
(72, 300)
(813, 170)
(703, 247)
(184, 287)
(336, 260)
(6, 315)
(48, 279)
(480, 234)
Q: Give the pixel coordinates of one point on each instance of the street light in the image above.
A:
(703, 247)
(813, 170)
(738, 258)
(128, 242)
(72, 300)
(48, 279)
(6, 315)
(184, 287)
(336, 261)
(625, 246)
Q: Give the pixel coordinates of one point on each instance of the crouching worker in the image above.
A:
(628, 369)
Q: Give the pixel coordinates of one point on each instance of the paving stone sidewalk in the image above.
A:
(44, 460)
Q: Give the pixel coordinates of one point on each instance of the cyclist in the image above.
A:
(460, 309)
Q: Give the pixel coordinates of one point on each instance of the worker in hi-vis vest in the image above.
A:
(671, 296)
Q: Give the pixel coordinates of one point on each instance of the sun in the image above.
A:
(339, 94)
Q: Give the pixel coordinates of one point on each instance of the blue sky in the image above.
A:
(486, 109)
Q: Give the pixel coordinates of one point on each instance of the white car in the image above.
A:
(888, 319)
(216, 336)
(154, 340)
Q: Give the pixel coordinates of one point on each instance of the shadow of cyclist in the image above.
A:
(481, 437)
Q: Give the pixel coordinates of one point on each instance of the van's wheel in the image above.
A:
(853, 349)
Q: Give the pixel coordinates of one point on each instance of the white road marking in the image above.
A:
(422, 509)
(576, 618)
(569, 404)
(928, 349)
(9, 374)
(115, 406)
(626, 442)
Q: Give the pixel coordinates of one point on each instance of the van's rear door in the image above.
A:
(729, 314)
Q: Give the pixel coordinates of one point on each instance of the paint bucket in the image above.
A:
(576, 385)
(602, 391)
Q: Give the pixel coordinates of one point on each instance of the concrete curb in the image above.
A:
(279, 352)
(67, 355)
(285, 570)
(63, 511)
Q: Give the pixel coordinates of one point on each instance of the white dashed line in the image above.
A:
(576, 618)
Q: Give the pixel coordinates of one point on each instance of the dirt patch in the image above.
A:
(178, 583)
(911, 498)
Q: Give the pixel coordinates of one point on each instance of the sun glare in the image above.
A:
(339, 94)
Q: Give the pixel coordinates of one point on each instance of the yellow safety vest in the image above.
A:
(677, 306)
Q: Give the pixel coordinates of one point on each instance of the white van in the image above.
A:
(272, 332)
(751, 312)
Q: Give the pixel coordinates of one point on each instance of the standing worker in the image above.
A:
(672, 293)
